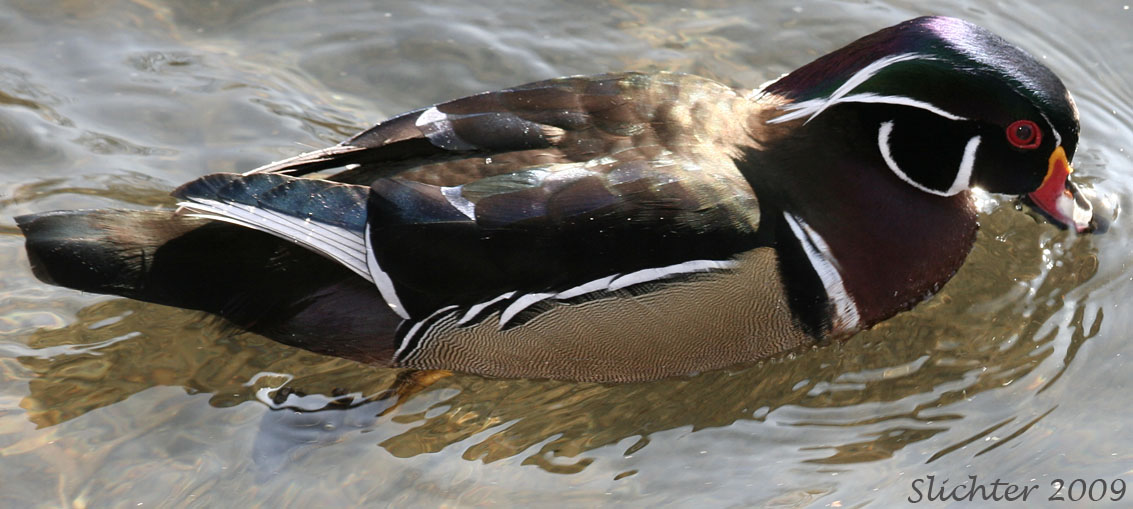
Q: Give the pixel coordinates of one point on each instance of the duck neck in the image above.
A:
(891, 245)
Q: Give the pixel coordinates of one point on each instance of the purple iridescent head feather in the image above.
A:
(957, 60)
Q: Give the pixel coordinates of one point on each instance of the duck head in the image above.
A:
(945, 105)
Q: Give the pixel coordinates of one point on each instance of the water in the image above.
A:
(1016, 371)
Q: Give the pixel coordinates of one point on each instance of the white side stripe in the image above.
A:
(846, 316)
(337, 243)
(593, 286)
(382, 280)
(963, 174)
(415, 329)
(646, 275)
(476, 309)
(608, 283)
(523, 302)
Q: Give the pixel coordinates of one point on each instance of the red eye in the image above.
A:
(1024, 134)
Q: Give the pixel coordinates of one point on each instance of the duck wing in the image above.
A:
(546, 191)
(562, 120)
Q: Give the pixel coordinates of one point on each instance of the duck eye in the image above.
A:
(1024, 134)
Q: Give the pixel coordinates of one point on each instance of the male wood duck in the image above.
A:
(617, 227)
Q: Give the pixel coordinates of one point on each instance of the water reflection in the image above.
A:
(895, 385)
(113, 103)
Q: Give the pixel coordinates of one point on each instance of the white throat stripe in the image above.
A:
(846, 318)
(963, 174)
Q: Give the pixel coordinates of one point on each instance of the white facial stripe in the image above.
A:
(459, 202)
(870, 71)
(382, 280)
(963, 173)
(810, 109)
(813, 107)
(899, 100)
(846, 317)
(1057, 137)
(758, 91)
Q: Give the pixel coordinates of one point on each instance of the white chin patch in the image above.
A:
(1068, 207)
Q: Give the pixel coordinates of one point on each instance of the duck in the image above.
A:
(612, 228)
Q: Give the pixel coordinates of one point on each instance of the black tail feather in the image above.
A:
(253, 279)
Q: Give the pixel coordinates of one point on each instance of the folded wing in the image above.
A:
(497, 201)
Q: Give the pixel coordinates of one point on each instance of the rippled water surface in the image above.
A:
(1017, 370)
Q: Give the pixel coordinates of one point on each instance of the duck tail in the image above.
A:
(255, 280)
(101, 251)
